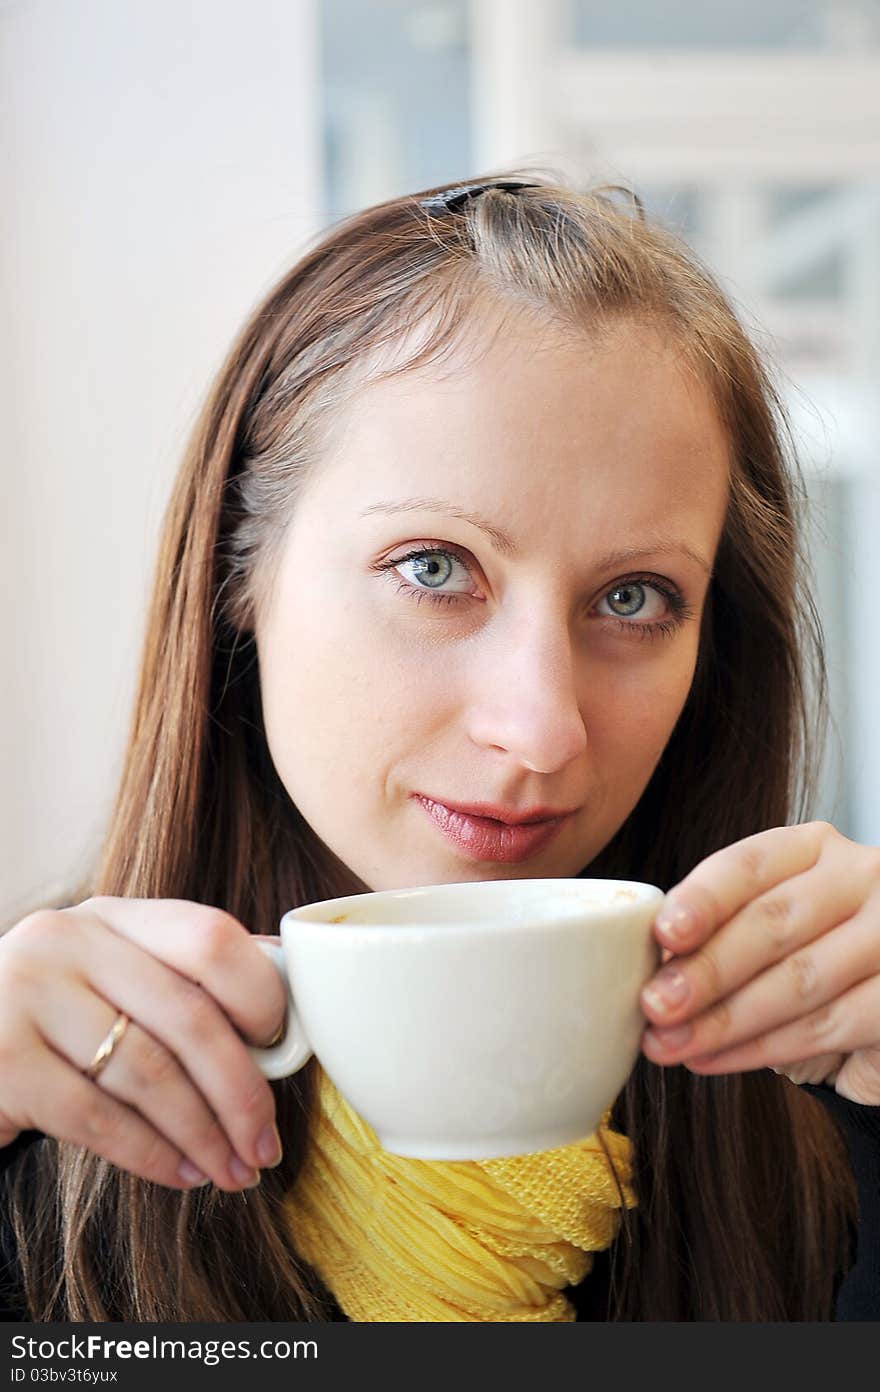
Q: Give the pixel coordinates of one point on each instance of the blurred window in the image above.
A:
(395, 88)
(750, 24)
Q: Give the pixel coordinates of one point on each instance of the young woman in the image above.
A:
(487, 521)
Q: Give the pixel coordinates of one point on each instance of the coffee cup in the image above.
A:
(468, 1021)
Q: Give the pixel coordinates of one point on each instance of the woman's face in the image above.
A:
(484, 622)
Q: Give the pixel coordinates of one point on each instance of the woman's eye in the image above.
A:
(635, 600)
(435, 570)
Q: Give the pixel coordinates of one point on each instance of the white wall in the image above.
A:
(159, 167)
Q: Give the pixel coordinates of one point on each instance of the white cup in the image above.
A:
(466, 1021)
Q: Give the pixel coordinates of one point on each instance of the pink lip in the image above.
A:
(490, 838)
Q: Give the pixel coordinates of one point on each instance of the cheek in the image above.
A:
(344, 697)
(316, 688)
(632, 716)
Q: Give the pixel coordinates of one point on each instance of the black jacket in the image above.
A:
(858, 1295)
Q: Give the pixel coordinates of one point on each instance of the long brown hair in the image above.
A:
(745, 1198)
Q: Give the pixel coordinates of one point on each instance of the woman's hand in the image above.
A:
(775, 945)
(180, 1101)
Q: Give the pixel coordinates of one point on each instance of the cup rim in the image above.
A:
(316, 913)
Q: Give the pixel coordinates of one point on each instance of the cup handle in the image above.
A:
(294, 1049)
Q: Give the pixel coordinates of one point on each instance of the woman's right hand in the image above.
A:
(180, 1101)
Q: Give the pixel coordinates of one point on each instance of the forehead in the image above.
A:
(534, 425)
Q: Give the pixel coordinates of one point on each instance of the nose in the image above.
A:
(525, 698)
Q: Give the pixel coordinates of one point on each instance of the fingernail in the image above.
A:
(668, 989)
(269, 1146)
(243, 1174)
(670, 1038)
(190, 1175)
(677, 923)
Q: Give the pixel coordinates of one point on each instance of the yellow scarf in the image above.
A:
(486, 1240)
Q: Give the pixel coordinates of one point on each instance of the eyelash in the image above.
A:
(664, 628)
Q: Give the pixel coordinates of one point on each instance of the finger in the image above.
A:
(190, 1024)
(845, 1024)
(726, 881)
(72, 1108)
(816, 1070)
(859, 1077)
(799, 984)
(773, 927)
(209, 947)
(144, 1075)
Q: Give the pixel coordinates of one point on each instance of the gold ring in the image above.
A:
(108, 1044)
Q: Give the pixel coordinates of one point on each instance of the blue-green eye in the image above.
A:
(651, 602)
(660, 608)
(431, 570)
(627, 600)
(435, 570)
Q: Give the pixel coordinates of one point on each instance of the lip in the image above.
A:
(497, 834)
(510, 816)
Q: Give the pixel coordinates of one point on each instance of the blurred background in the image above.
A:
(162, 162)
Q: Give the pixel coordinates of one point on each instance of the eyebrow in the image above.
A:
(657, 546)
(500, 540)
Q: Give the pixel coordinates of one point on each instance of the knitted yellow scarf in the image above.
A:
(485, 1240)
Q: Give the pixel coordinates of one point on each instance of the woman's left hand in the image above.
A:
(775, 946)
